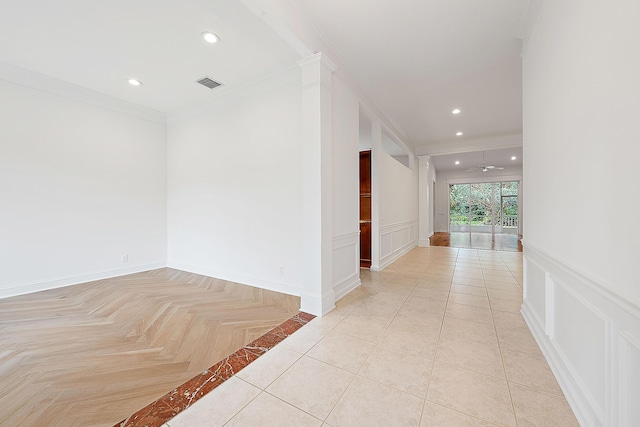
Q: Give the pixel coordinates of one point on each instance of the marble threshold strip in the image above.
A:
(171, 404)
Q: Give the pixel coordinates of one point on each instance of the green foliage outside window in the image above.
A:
(471, 204)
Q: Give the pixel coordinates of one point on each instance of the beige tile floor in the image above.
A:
(436, 339)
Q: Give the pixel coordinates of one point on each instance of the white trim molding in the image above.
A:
(527, 21)
(238, 278)
(589, 335)
(346, 263)
(395, 241)
(61, 282)
(457, 145)
(32, 80)
(425, 243)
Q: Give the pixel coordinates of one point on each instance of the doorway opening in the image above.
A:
(488, 207)
(365, 209)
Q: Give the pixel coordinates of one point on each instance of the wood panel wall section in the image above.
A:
(365, 209)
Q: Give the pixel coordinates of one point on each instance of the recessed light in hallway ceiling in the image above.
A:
(459, 133)
(513, 157)
(135, 82)
(210, 37)
(455, 111)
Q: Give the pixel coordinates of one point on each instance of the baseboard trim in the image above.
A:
(316, 304)
(243, 280)
(343, 288)
(389, 260)
(424, 243)
(571, 390)
(590, 337)
(29, 288)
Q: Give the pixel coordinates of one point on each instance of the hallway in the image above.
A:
(436, 339)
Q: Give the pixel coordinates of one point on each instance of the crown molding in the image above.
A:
(527, 22)
(474, 144)
(35, 81)
(287, 19)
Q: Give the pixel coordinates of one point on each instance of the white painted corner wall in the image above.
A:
(235, 187)
(217, 191)
(398, 209)
(426, 200)
(581, 107)
(346, 190)
(82, 184)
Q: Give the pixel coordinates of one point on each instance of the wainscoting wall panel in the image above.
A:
(346, 263)
(590, 337)
(628, 390)
(537, 294)
(395, 241)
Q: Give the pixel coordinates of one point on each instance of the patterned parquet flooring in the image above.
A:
(94, 353)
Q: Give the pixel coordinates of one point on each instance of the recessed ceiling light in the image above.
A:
(134, 82)
(210, 37)
(456, 111)
(459, 133)
(457, 162)
(513, 157)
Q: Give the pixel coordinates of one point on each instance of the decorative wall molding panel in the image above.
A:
(395, 241)
(346, 263)
(590, 337)
(28, 288)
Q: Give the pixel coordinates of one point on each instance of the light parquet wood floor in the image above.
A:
(93, 354)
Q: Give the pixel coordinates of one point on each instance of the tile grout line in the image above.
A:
(276, 334)
(237, 412)
(513, 407)
(356, 374)
(435, 355)
(453, 409)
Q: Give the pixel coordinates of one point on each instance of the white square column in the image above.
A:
(424, 198)
(317, 297)
(376, 221)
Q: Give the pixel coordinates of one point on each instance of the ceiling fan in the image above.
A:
(484, 167)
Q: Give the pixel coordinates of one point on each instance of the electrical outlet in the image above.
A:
(125, 258)
(282, 271)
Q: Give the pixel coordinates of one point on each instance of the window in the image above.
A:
(484, 207)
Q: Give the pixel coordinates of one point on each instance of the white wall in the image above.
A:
(80, 186)
(346, 188)
(365, 133)
(235, 186)
(512, 173)
(431, 204)
(398, 208)
(581, 108)
(426, 199)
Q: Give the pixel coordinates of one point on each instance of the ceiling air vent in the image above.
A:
(211, 84)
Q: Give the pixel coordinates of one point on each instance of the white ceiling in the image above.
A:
(415, 59)
(101, 44)
(419, 59)
(498, 158)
